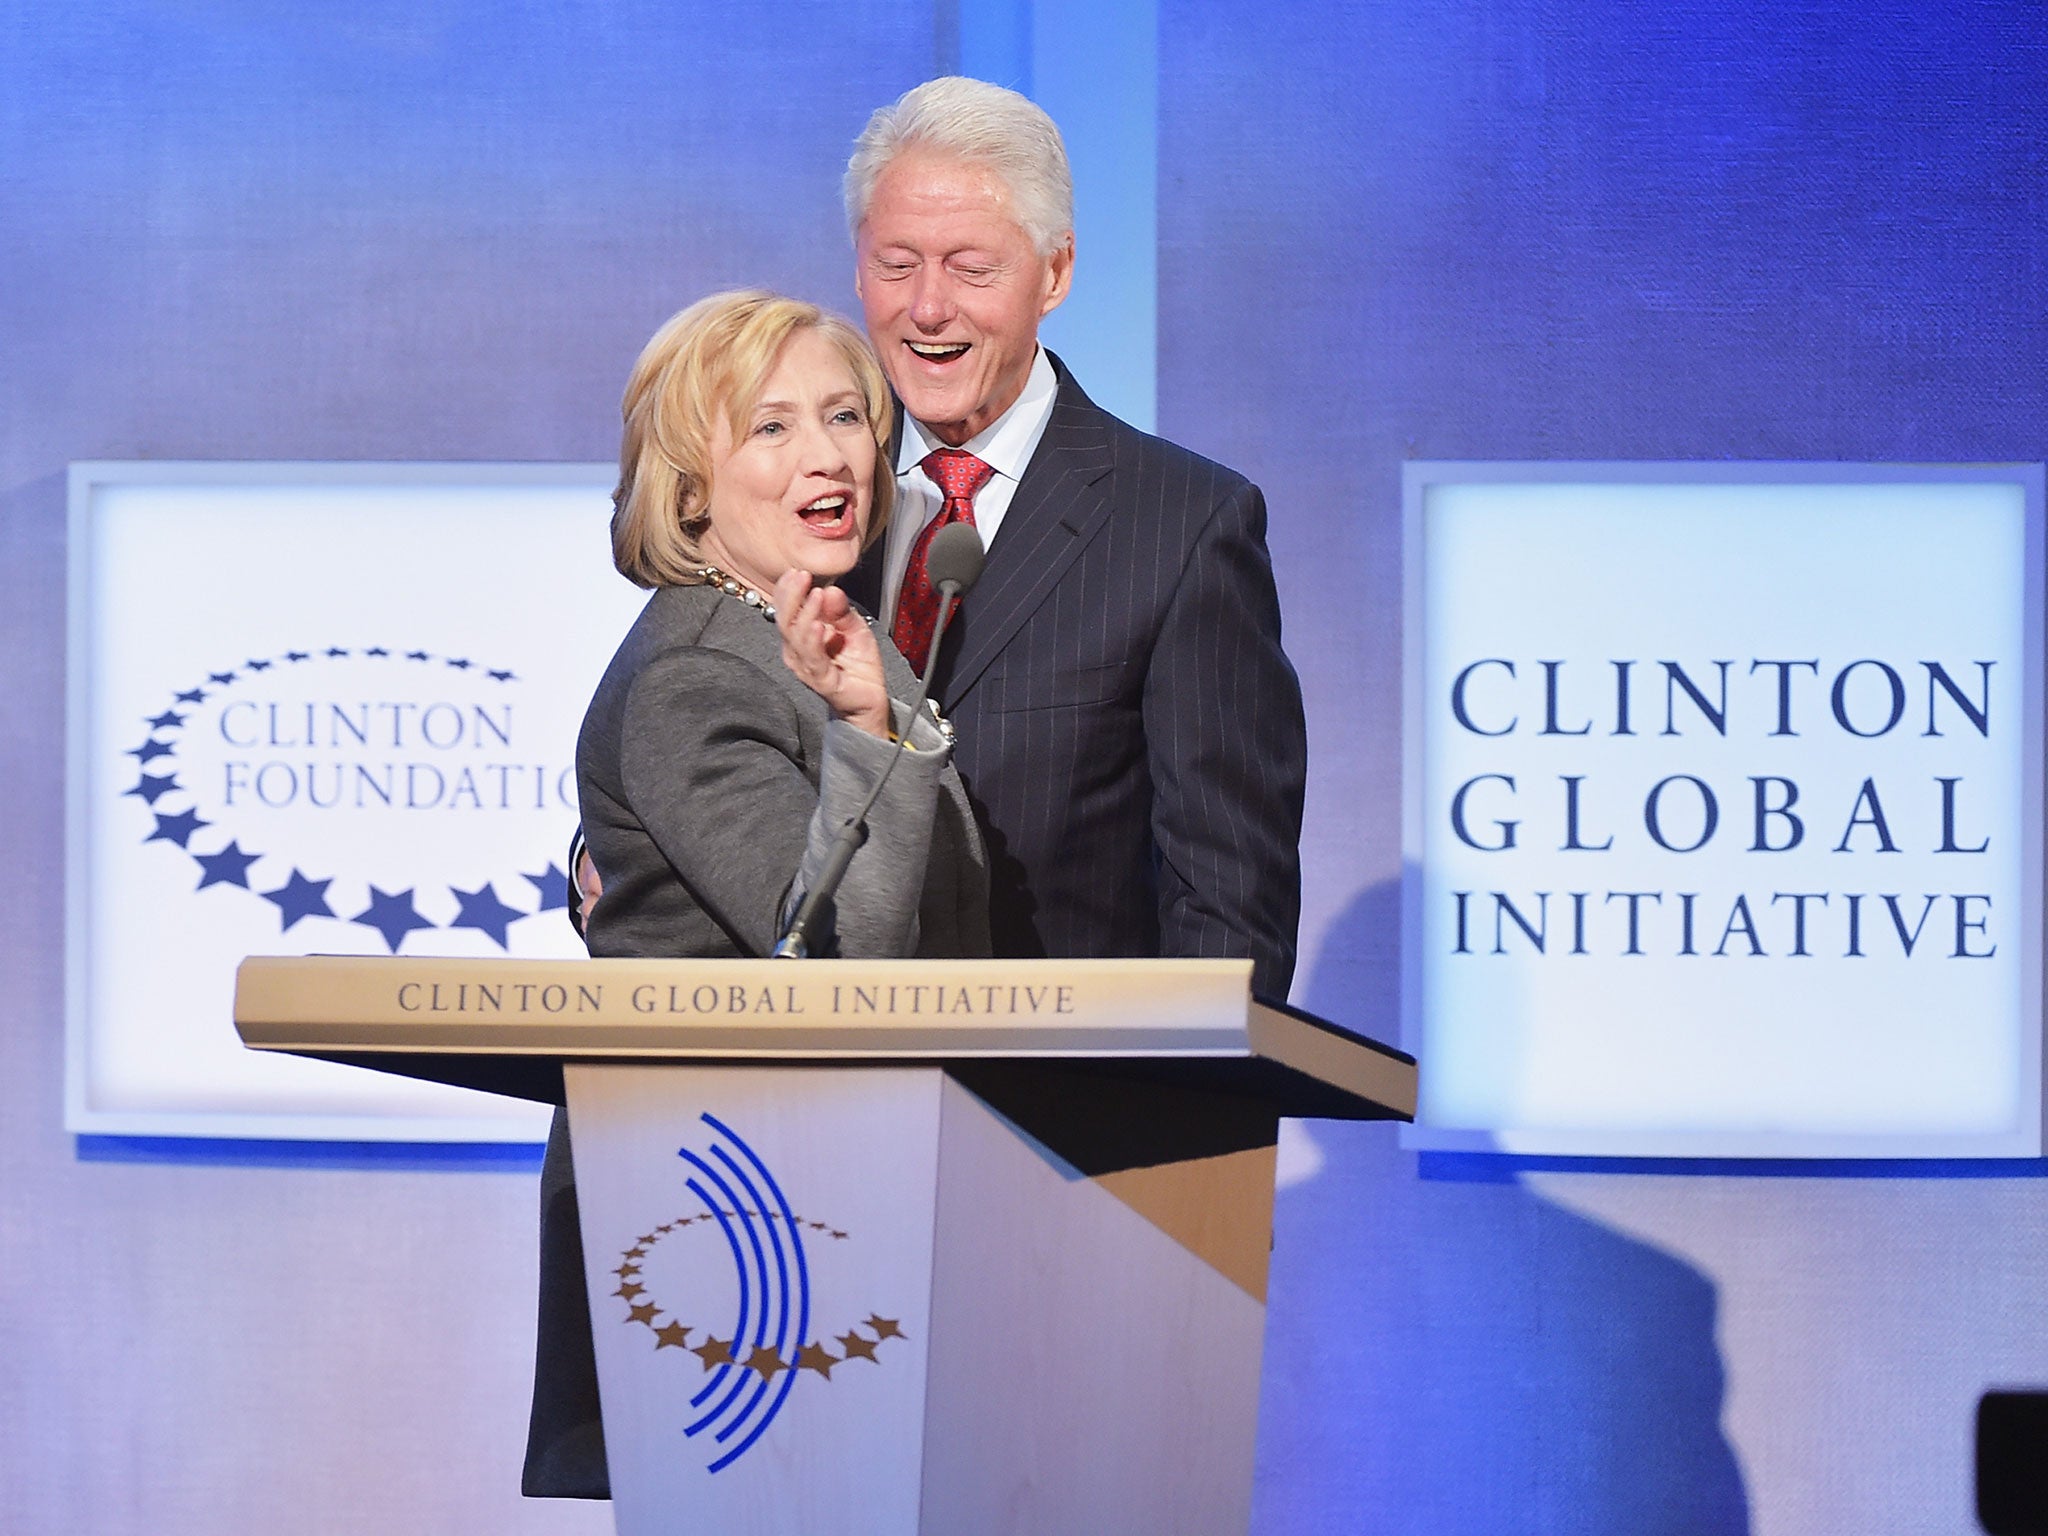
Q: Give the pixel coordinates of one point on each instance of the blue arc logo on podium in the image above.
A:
(754, 1263)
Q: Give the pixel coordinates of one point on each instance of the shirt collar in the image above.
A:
(1005, 444)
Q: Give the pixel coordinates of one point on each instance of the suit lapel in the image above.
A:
(864, 582)
(1061, 501)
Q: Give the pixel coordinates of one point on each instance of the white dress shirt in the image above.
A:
(1005, 445)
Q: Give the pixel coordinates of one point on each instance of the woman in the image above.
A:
(722, 752)
(746, 716)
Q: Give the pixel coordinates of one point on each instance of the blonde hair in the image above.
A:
(714, 358)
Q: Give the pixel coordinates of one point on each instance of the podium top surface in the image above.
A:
(507, 1025)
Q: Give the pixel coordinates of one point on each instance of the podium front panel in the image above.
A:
(758, 1244)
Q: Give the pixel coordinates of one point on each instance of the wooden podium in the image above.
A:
(876, 1247)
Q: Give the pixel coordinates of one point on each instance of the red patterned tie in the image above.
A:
(958, 475)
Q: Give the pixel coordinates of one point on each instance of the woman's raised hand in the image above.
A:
(832, 651)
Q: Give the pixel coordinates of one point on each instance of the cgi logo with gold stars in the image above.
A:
(728, 1281)
(357, 785)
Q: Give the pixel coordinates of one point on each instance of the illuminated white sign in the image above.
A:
(316, 709)
(1722, 809)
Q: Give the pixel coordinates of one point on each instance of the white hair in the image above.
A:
(986, 124)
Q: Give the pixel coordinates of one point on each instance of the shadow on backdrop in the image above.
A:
(1464, 1358)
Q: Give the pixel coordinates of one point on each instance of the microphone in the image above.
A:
(953, 562)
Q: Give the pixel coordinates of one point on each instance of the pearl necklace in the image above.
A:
(732, 586)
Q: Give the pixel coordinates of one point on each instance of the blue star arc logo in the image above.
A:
(393, 915)
(299, 897)
(303, 896)
(750, 1357)
(153, 787)
(177, 829)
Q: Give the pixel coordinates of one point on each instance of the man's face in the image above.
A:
(953, 290)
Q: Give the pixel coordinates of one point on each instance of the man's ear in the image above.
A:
(1061, 275)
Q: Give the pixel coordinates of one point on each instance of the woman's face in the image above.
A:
(792, 490)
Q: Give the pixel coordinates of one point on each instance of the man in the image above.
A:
(1129, 729)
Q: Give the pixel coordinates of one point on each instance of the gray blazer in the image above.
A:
(712, 785)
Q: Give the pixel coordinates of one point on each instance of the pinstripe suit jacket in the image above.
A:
(1131, 732)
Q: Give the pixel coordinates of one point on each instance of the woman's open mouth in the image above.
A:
(829, 515)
